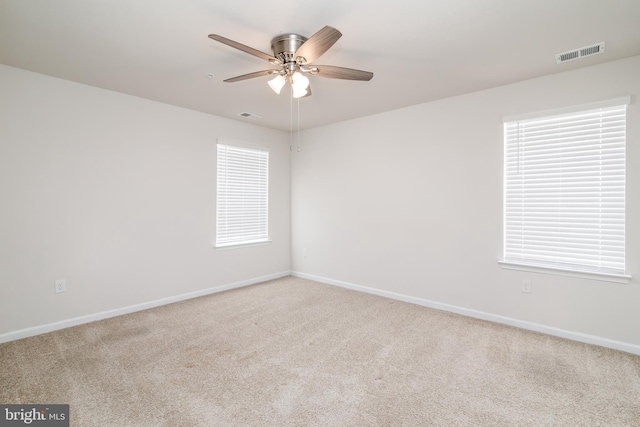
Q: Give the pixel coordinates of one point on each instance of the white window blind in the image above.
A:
(564, 199)
(242, 195)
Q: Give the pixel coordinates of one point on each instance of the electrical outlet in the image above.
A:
(61, 286)
(526, 286)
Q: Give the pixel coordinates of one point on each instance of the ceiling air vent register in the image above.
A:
(580, 53)
(250, 116)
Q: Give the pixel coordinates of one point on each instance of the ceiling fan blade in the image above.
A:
(242, 47)
(318, 44)
(340, 73)
(251, 75)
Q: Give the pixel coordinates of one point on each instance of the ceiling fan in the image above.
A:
(293, 55)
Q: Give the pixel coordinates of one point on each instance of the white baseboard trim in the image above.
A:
(50, 327)
(522, 324)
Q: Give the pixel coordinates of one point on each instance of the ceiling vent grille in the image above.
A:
(250, 116)
(579, 53)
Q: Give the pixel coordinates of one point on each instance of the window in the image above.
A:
(564, 192)
(242, 195)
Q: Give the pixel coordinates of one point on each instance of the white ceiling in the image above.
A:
(418, 50)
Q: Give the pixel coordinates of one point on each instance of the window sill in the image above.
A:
(592, 275)
(230, 246)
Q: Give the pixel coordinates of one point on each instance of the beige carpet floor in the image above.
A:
(293, 352)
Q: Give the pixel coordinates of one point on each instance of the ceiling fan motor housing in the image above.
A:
(285, 46)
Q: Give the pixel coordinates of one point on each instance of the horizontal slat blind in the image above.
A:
(565, 190)
(242, 196)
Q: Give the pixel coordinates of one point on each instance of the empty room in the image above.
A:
(320, 213)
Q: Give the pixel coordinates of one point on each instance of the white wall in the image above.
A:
(116, 195)
(410, 202)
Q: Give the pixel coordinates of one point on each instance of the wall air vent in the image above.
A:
(580, 53)
(250, 116)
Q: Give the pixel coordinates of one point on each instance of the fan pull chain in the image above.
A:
(291, 121)
(298, 125)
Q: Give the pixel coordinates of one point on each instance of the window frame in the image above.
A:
(546, 267)
(254, 227)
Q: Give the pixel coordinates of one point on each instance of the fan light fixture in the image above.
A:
(299, 84)
(277, 83)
